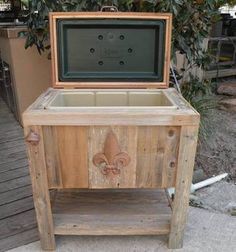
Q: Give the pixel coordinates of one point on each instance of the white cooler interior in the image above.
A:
(110, 99)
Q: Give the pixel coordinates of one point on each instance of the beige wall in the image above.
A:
(30, 72)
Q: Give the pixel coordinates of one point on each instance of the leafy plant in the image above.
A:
(195, 88)
(228, 2)
(205, 106)
(199, 95)
(191, 20)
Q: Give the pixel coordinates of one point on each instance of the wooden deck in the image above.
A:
(17, 216)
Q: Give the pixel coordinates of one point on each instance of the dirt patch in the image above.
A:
(218, 154)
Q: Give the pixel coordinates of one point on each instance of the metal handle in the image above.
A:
(33, 138)
(110, 8)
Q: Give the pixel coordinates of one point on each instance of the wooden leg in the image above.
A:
(35, 147)
(187, 150)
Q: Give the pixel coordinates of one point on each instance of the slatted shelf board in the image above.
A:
(113, 212)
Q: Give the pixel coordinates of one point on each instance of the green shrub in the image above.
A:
(191, 20)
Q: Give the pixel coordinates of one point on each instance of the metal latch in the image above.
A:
(109, 8)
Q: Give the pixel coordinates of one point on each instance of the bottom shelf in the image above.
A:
(111, 212)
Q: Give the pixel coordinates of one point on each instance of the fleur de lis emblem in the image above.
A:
(112, 160)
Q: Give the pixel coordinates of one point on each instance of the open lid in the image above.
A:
(110, 49)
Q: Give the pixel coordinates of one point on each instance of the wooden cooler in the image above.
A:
(110, 136)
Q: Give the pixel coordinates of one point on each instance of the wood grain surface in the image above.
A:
(40, 188)
(111, 212)
(66, 156)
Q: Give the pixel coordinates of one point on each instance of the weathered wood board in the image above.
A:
(151, 151)
(18, 225)
(66, 156)
(116, 212)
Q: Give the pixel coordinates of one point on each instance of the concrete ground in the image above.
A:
(205, 231)
(219, 197)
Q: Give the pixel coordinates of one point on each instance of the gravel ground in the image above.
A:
(219, 197)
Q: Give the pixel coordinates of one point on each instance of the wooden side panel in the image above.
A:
(157, 156)
(66, 156)
(37, 164)
(147, 156)
(52, 157)
(112, 144)
(72, 146)
(186, 156)
(171, 141)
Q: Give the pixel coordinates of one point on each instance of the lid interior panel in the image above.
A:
(114, 50)
(110, 50)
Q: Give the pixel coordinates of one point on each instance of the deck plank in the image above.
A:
(14, 183)
(17, 224)
(16, 207)
(16, 194)
(18, 239)
(13, 174)
(17, 216)
(14, 156)
(12, 165)
(13, 143)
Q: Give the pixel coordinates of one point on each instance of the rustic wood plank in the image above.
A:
(16, 207)
(72, 146)
(17, 218)
(12, 132)
(10, 127)
(187, 149)
(66, 156)
(150, 154)
(40, 188)
(156, 153)
(17, 224)
(52, 158)
(15, 183)
(171, 140)
(15, 194)
(111, 201)
(19, 239)
(12, 165)
(12, 143)
(111, 212)
(13, 174)
(5, 152)
(127, 142)
(7, 137)
(12, 156)
(110, 225)
(7, 121)
(112, 117)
